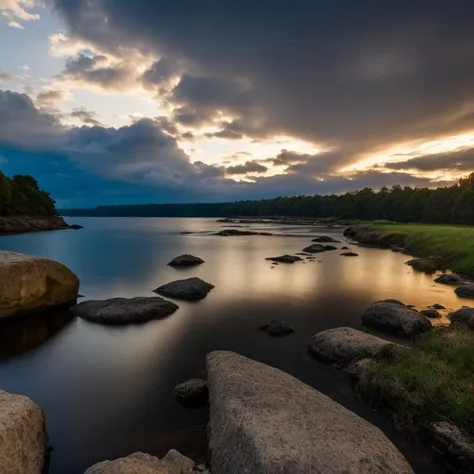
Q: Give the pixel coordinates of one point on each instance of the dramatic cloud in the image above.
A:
(87, 117)
(48, 97)
(248, 167)
(16, 11)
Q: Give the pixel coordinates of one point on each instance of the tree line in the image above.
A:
(447, 205)
(21, 196)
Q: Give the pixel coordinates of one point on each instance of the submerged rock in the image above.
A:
(76, 227)
(314, 248)
(189, 289)
(324, 239)
(349, 254)
(277, 328)
(449, 279)
(464, 316)
(124, 310)
(438, 306)
(185, 261)
(141, 463)
(465, 291)
(263, 420)
(32, 283)
(456, 445)
(396, 318)
(344, 345)
(192, 393)
(23, 439)
(285, 259)
(430, 313)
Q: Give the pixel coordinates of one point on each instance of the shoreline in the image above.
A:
(26, 224)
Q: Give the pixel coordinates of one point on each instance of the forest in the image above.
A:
(21, 196)
(447, 205)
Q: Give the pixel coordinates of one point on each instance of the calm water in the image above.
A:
(108, 392)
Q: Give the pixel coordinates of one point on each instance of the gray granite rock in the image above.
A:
(193, 393)
(344, 345)
(189, 289)
(394, 317)
(263, 420)
(185, 260)
(32, 283)
(23, 439)
(117, 311)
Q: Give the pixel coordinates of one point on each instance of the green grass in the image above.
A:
(434, 381)
(454, 244)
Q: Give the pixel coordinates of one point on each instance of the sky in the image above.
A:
(118, 101)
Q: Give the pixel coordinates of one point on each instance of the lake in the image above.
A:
(108, 391)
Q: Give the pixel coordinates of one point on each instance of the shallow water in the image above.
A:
(108, 391)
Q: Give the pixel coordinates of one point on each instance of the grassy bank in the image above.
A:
(454, 244)
(433, 381)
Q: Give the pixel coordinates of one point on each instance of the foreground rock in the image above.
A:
(191, 289)
(193, 393)
(394, 317)
(263, 420)
(277, 328)
(21, 224)
(185, 261)
(344, 345)
(285, 259)
(325, 239)
(32, 283)
(124, 310)
(449, 279)
(464, 316)
(315, 248)
(141, 463)
(23, 439)
(465, 291)
(456, 446)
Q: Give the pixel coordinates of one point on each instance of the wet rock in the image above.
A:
(141, 463)
(263, 420)
(234, 232)
(349, 254)
(328, 248)
(394, 317)
(465, 291)
(76, 227)
(277, 328)
(314, 248)
(117, 311)
(192, 393)
(438, 306)
(464, 316)
(456, 445)
(325, 239)
(23, 439)
(425, 265)
(191, 289)
(185, 261)
(344, 345)
(285, 259)
(33, 283)
(449, 279)
(430, 313)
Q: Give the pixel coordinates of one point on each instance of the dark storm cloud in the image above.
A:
(248, 167)
(460, 160)
(356, 74)
(160, 72)
(95, 70)
(87, 117)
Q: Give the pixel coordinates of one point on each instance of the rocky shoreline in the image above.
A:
(23, 224)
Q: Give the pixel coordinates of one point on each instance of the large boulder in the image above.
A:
(192, 393)
(456, 445)
(396, 318)
(141, 463)
(465, 291)
(185, 260)
(464, 316)
(189, 289)
(124, 310)
(344, 345)
(263, 420)
(314, 248)
(23, 439)
(32, 283)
